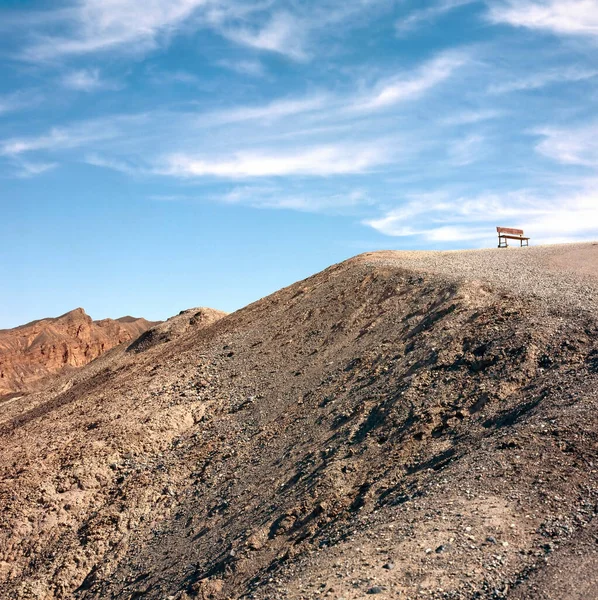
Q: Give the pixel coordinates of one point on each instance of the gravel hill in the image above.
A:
(406, 425)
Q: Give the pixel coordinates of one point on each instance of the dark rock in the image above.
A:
(376, 589)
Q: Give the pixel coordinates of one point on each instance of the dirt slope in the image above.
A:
(32, 352)
(403, 424)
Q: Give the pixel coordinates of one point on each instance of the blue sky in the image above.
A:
(173, 153)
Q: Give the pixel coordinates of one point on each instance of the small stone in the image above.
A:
(388, 566)
(376, 589)
(442, 548)
(428, 550)
(491, 539)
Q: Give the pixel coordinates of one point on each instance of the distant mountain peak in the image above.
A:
(32, 352)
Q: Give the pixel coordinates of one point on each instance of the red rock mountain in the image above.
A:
(31, 352)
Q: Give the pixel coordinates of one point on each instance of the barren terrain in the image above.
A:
(33, 352)
(406, 425)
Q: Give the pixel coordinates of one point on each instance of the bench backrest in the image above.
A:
(509, 230)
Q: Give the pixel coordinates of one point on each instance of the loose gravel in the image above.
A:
(562, 280)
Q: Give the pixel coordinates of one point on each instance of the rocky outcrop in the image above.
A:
(185, 321)
(32, 352)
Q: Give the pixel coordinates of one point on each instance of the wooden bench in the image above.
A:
(506, 233)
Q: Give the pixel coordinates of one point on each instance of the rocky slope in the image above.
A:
(407, 425)
(32, 352)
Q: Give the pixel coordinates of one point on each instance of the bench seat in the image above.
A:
(507, 233)
(514, 237)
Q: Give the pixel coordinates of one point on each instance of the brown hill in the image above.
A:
(185, 321)
(402, 424)
(32, 352)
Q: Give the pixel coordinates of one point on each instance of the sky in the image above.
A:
(165, 154)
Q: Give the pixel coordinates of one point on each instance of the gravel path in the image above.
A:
(562, 277)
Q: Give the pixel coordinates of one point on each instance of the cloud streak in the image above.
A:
(100, 25)
(17, 101)
(539, 80)
(282, 34)
(445, 218)
(561, 17)
(87, 80)
(411, 86)
(424, 16)
(570, 146)
(312, 161)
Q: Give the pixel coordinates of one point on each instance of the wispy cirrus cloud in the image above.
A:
(310, 161)
(561, 17)
(346, 201)
(87, 80)
(276, 197)
(542, 79)
(26, 169)
(93, 26)
(100, 25)
(442, 217)
(69, 137)
(251, 141)
(467, 150)
(570, 145)
(19, 100)
(283, 34)
(276, 109)
(423, 16)
(250, 68)
(410, 86)
(471, 117)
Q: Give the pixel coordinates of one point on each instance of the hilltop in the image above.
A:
(32, 352)
(401, 424)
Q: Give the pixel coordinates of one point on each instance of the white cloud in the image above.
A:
(313, 161)
(410, 87)
(426, 15)
(18, 101)
(251, 68)
(69, 137)
(54, 139)
(473, 116)
(446, 218)
(99, 25)
(29, 169)
(467, 150)
(90, 26)
(280, 198)
(87, 80)
(114, 164)
(267, 112)
(542, 79)
(102, 25)
(322, 134)
(283, 34)
(174, 77)
(570, 146)
(562, 17)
